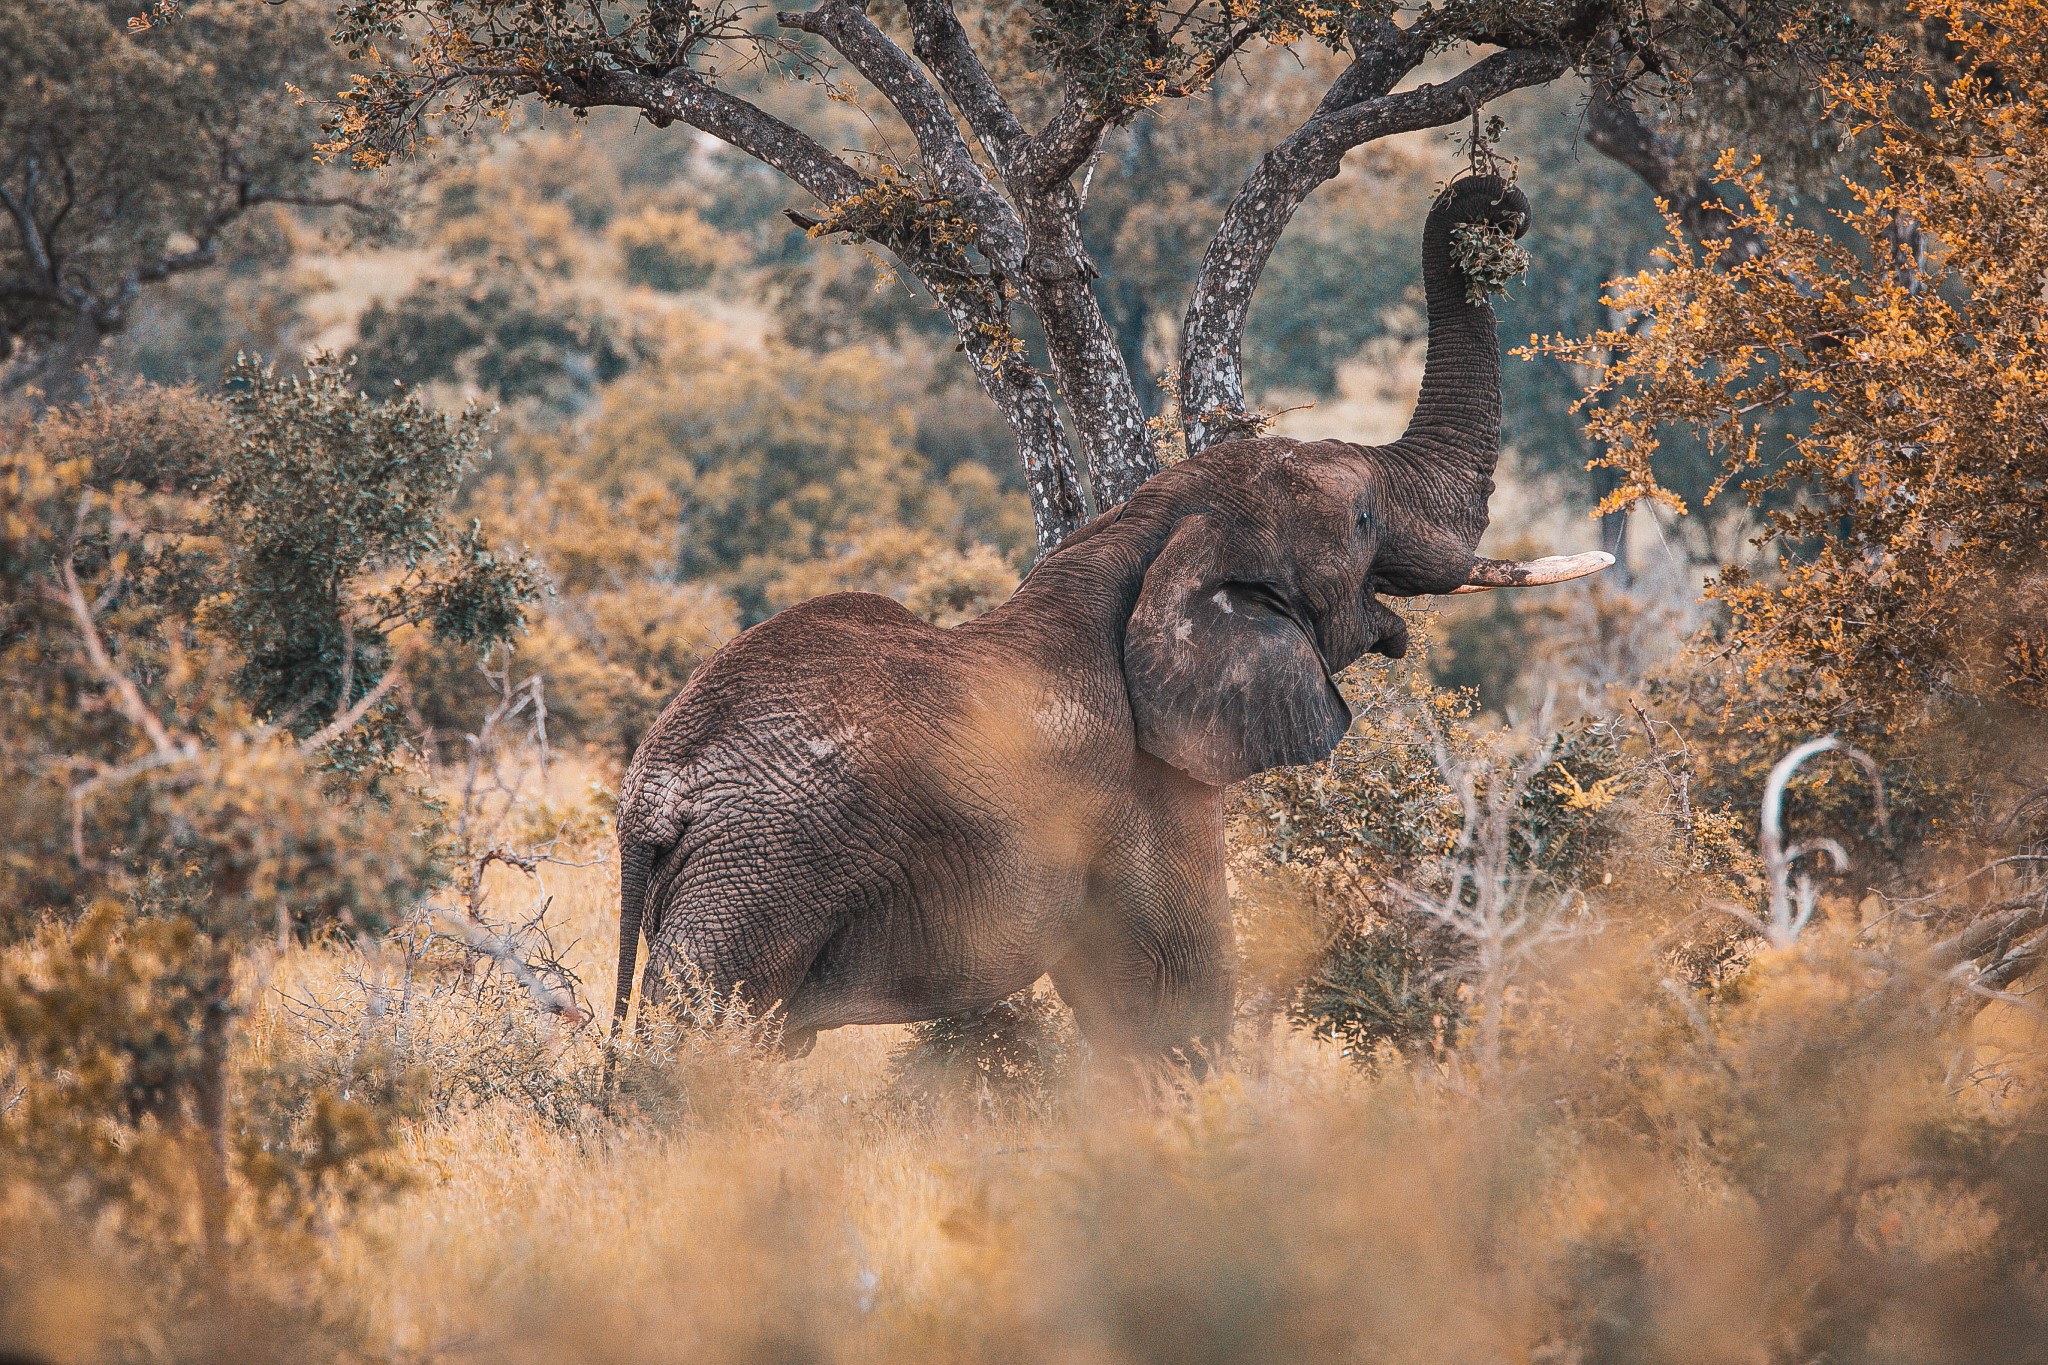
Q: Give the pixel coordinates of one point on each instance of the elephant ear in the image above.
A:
(1225, 679)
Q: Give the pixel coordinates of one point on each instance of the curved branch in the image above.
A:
(1617, 128)
(1212, 362)
(890, 70)
(680, 95)
(1786, 920)
(127, 696)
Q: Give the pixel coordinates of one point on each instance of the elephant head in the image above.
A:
(1273, 554)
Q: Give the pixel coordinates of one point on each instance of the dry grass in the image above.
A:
(1804, 1163)
(1739, 1178)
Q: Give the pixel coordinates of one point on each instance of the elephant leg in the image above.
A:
(1152, 976)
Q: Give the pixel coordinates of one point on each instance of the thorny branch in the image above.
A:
(554, 997)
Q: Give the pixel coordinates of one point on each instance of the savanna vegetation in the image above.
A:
(354, 524)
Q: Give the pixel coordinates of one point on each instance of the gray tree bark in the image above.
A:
(1015, 188)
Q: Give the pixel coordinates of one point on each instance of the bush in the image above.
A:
(498, 331)
(1389, 981)
(1013, 1056)
(201, 757)
(671, 251)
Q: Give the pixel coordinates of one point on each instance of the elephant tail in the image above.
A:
(636, 864)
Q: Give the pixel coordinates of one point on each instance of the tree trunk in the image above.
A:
(1020, 394)
(1090, 367)
(1057, 508)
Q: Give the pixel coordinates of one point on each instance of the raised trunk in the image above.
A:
(1356, 111)
(1453, 440)
(1457, 415)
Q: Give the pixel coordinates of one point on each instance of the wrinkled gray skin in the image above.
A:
(865, 819)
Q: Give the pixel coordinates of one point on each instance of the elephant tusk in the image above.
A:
(1488, 574)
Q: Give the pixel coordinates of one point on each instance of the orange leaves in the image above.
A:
(1876, 385)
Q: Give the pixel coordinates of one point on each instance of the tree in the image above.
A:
(1907, 511)
(199, 605)
(1915, 544)
(130, 154)
(986, 214)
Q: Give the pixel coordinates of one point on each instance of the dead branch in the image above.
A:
(127, 695)
(1787, 918)
(346, 721)
(555, 999)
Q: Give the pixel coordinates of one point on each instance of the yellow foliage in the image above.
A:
(1912, 509)
(1598, 797)
(916, 566)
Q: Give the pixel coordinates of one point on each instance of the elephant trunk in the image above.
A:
(1453, 440)
(636, 864)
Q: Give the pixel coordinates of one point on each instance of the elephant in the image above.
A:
(850, 816)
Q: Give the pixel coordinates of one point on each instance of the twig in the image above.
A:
(126, 694)
(346, 721)
(554, 999)
(76, 796)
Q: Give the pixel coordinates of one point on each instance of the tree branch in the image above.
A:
(22, 211)
(680, 95)
(346, 721)
(1212, 361)
(890, 70)
(127, 696)
(1074, 133)
(941, 44)
(1382, 55)
(1616, 127)
(107, 313)
(1997, 930)
(1062, 147)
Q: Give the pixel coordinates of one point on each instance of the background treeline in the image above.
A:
(667, 350)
